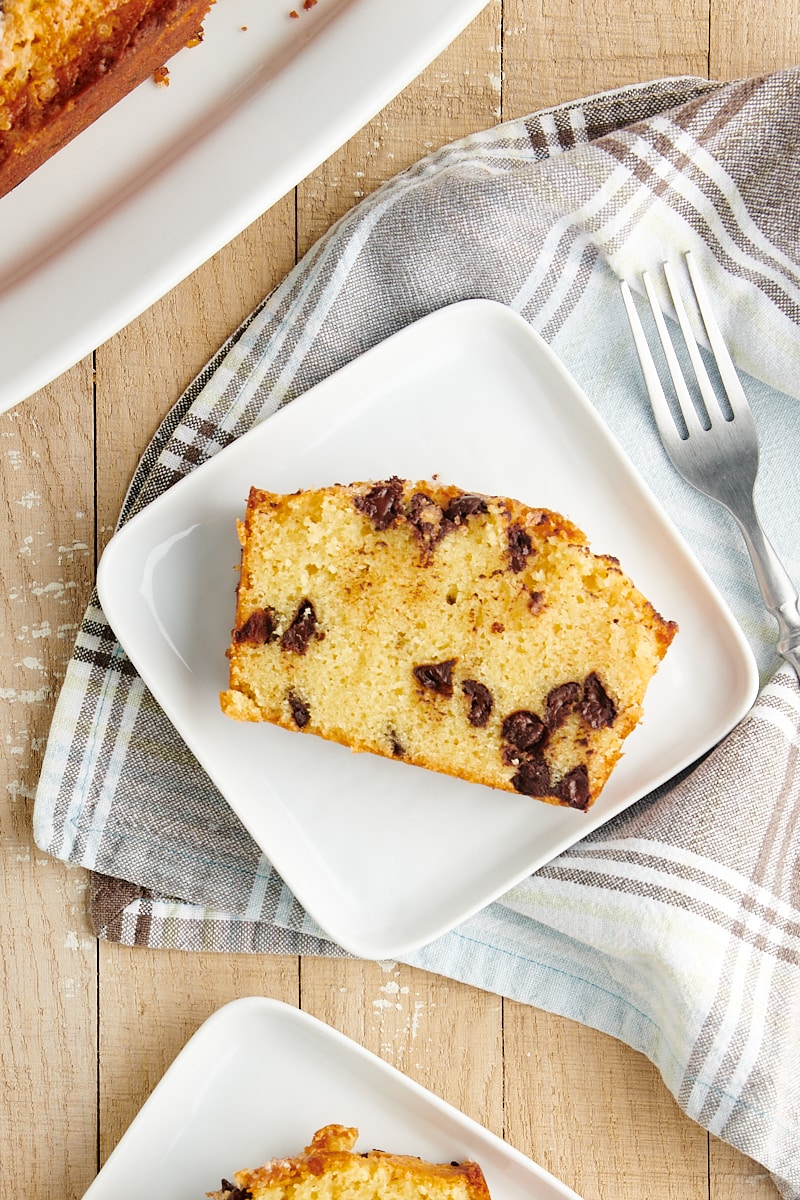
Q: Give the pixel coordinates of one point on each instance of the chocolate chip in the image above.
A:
(597, 708)
(420, 507)
(234, 1192)
(519, 547)
(573, 789)
(535, 601)
(257, 629)
(524, 730)
(301, 630)
(398, 749)
(560, 702)
(481, 702)
(436, 677)
(300, 710)
(382, 503)
(468, 505)
(427, 519)
(533, 777)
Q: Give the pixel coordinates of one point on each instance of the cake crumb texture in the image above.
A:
(468, 634)
(65, 62)
(330, 1169)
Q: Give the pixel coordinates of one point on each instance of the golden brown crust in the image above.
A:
(330, 1169)
(94, 77)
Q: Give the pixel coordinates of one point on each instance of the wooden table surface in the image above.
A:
(88, 1029)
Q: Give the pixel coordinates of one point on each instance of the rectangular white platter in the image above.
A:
(170, 175)
(258, 1079)
(386, 856)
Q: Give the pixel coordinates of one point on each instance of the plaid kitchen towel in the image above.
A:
(676, 927)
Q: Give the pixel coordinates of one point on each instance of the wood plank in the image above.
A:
(142, 371)
(48, 1129)
(457, 94)
(151, 1004)
(596, 1113)
(444, 1035)
(749, 37)
(438, 1032)
(733, 1176)
(597, 45)
(556, 50)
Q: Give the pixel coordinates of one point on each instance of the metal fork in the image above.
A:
(722, 460)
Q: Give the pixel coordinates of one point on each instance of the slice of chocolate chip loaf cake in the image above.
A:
(330, 1169)
(469, 634)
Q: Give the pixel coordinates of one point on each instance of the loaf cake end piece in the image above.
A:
(66, 62)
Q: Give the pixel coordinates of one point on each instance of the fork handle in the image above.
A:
(780, 595)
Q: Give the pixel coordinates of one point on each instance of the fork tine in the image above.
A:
(684, 399)
(727, 371)
(658, 401)
(703, 382)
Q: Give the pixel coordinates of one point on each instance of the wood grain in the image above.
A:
(144, 369)
(446, 1036)
(152, 1003)
(563, 49)
(458, 94)
(91, 1029)
(750, 38)
(595, 1113)
(49, 971)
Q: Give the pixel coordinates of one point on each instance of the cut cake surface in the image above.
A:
(330, 1169)
(472, 635)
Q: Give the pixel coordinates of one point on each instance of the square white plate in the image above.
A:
(387, 856)
(258, 1079)
(169, 175)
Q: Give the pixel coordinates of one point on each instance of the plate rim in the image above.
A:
(370, 947)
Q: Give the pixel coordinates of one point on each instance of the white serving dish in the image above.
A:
(170, 175)
(258, 1079)
(387, 856)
